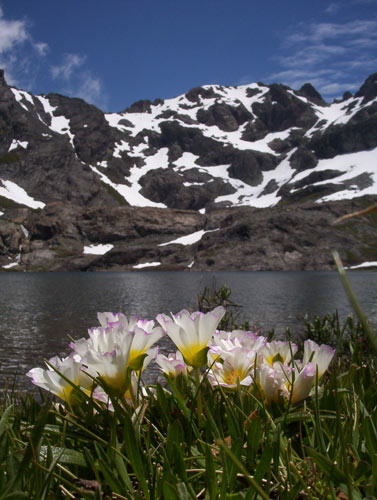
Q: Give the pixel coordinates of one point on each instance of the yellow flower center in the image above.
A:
(232, 377)
(190, 353)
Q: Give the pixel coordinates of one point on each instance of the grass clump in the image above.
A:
(188, 438)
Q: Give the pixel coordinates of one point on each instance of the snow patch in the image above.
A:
(14, 192)
(48, 108)
(244, 195)
(338, 113)
(15, 144)
(9, 266)
(349, 165)
(189, 239)
(253, 196)
(130, 192)
(122, 146)
(25, 231)
(20, 95)
(98, 249)
(147, 264)
(59, 124)
(188, 184)
(363, 265)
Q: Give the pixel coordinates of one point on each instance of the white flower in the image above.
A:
(273, 381)
(225, 342)
(295, 380)
(143, 339)
(303, 383)
(235, 368)
(278, 351)
(144, 330)
(52, 381)
(319, 356)
(173, 364)
(111, 352)
(191, 333)
(106, 354)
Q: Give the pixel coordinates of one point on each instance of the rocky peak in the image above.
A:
(250, 145)
(194, 94)
(368, 90)
(347, 95)
(308, 91)
(282, 110)
(246, 157)
(143, 106)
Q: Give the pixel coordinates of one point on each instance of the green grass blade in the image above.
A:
(4, 419)
(355, 304)
(331, 471)
(251, 480)
(135, 454)
(170, 491)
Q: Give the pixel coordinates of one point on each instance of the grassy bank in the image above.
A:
(236, 447)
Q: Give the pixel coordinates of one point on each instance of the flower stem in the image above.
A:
(198, 394)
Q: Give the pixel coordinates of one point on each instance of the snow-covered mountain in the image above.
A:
(210, 150)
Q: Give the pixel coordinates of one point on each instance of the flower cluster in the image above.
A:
(109, 361)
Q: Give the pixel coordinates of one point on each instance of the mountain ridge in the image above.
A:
(209, 151)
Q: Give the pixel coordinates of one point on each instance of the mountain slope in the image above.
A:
(212, 150)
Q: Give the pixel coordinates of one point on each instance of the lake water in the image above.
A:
(39, 310)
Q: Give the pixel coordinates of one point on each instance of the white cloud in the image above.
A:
(70, 62)
(91, 90)
(11, 33)
(334, 57)
(332, 8)
(19, 52)
(21, 57)
(319, 32)
(78, 81)
(42, 48)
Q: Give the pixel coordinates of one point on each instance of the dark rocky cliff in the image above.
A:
(256, 174)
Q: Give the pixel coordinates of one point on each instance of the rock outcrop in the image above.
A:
(252, 175)
(291, 237)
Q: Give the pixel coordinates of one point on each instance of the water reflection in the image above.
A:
(39, 310)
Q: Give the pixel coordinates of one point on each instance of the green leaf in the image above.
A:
(170, 491)
(183, 494)
(251, 480)
(276, 450)
(211, 480)
(253, 439)
(175, 436)
(16, 495)
(110, 476)
(64, 455)
(122, 471)
(4, 419)
(264, 464)
(332, 472)
(135, 454)
(370, 436)
(293, 494)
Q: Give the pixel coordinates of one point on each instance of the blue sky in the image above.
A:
(116, 52)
